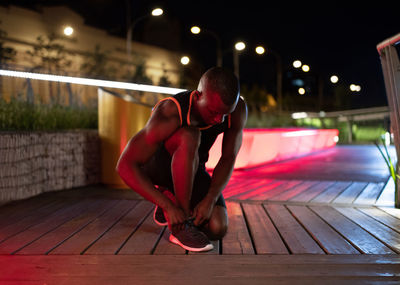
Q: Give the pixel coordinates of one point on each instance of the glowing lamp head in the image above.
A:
(68, 31)
(305, 68)
(240, 46)
(301, 91)
(297, 63)
(334, 79)
(260, 50)
(185, 60)
(157, 12)
(195, 30)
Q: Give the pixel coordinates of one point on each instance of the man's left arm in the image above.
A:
(231, 143)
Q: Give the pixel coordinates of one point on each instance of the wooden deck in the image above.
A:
(282, 230)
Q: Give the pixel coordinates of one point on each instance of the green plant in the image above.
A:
(393, 167)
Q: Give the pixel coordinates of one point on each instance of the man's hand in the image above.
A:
(202, 212)
(175, 217)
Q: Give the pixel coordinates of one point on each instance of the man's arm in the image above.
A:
(163, 123)
(231, 143)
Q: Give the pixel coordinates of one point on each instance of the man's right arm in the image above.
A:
(163, 123)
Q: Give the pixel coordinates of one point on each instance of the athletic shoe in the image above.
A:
(159, 217)
(158, 214)
(191, 238)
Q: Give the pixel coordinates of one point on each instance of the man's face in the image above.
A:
(211, 108)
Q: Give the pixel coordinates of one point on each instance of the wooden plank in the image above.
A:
(247, 187)
(382, 217)
(355, 234)
(389, 237)
(199, 269)
(144, 239)
(370, 194)
(387, 196)
(281, 188)
(15, 211)
(165, 247)
(349, 195)
(287, 195)
(326, 237)
(254, 192)
(312, 192)
(14, 227)
(46, 225)
(332, 192)
(113, 239)
(265, 237)
(79, 242)
(392, 211)
(49, 241)
(296, 238)
(237, 239)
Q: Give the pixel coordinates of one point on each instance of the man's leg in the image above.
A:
(183, 147)
(217, 226)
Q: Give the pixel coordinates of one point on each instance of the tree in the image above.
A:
(96, 64)
(7, 55)
(164, 80)
(51, 56)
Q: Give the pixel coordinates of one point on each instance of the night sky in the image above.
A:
(331, 37)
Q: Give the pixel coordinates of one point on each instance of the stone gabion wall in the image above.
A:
(32, 163)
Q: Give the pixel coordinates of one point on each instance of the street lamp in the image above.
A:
(239, 46)
(334, 79)
(68, 31)
(131, 25)
(297, 64)
(197, 30)
(261, 50)
(185, 60)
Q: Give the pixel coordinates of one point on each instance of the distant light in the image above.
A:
(91, 82)
(305, 68)
(298, 82)
(355, 88)
(240, 46)
(387, 138)
(297, 63)
(195, 30)
(68, 31)
(334, 79)
(322, 114)
(185, 60)
(260, 50)
(301, 91)
(157, 12)
(299, 115)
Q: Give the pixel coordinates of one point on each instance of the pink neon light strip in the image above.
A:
(261, 146)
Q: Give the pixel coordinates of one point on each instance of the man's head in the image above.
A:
(218, 94)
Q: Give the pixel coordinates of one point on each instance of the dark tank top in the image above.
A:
(209, 134)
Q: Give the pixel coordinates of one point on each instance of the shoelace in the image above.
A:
(189, 224)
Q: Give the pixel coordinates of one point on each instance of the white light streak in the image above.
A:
(91, 82)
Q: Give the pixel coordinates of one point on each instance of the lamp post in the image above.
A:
(197, 30)
(239, 46)
(131, 25)
(260, 50)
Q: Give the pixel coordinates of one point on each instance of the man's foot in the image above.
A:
(158, 214)
(159, 217)
(191, 238)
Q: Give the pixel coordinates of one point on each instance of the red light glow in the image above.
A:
(261, 146)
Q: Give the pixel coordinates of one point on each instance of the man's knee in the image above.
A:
(218, 224)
